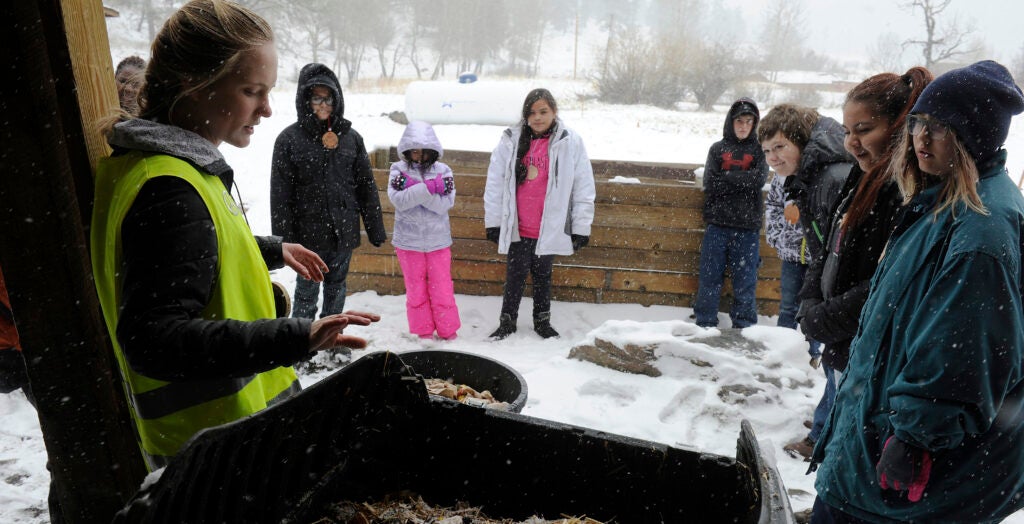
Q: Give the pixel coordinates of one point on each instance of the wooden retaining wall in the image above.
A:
(644, 246)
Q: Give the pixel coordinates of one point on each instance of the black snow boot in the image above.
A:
(506, 328)
(542, 325)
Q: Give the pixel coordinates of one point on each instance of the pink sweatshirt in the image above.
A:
(530, 194)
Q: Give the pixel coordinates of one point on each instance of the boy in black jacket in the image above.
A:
(734, 174)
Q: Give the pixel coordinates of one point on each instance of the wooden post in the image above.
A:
(57, 57)
(380, 158)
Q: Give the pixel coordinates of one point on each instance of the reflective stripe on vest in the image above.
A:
(167, 414)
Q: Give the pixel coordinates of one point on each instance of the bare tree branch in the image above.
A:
(940, 42)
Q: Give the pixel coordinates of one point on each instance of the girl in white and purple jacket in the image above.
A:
(422, 189)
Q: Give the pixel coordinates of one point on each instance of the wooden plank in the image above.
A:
(680, 283)
(461, 269)
(492, 271)
(580, 277)
(650, 192)
(646, 298)
(393, 285)
(478, 161)
(767, 307)
(605, 215)
(648, 281)
(94, 72)
(571, 294)
(381, 284)
(621, 238)
(478, 270)
(653, 217)
(566, 274)
(660, 170)
(593, 257)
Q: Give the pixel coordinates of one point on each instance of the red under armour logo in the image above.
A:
(728, 162)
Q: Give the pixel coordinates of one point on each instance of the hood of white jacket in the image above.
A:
(420, 135)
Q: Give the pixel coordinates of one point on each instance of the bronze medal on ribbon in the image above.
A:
(330, 140)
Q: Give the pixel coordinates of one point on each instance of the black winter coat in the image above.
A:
(818, 182)
(317, 195)
(170, 261)
(734, 174)
(836, 287)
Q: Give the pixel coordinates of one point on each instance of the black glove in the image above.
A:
(493, 233)
(578, 241)
(806, 305)
(904, 467)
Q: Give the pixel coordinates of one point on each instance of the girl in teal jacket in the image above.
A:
(928, 423)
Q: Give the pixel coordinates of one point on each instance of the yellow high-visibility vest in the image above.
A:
(167, 414)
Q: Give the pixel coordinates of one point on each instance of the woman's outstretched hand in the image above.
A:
(327, 333)
(306, 263)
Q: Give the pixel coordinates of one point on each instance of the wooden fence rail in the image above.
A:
(644, 247)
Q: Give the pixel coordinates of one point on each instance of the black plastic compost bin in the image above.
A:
(370, 430)
(482, 373)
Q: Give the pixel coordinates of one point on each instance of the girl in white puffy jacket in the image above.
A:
(539, 202)
(422, 189)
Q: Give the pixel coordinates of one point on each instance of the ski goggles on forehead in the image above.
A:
(917, 124)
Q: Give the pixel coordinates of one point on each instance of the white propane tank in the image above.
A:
(479, 102)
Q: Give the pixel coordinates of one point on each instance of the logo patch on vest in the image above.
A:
(229, 202)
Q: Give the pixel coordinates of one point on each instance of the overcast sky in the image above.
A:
(844, 29)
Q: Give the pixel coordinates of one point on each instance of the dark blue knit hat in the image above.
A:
(977, 101)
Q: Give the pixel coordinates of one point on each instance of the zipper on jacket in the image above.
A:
(556, 173)
(817, 232)
(509, 193)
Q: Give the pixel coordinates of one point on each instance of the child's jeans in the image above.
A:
(828, 398)
(792, 279)
(429, 292)
(307, 291)
(736, 249)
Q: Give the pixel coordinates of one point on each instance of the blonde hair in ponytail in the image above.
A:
(200, 43)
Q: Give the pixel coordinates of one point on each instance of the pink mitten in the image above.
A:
(435, 185)
(904, 467)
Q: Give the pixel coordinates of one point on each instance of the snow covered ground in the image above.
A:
(684, 407)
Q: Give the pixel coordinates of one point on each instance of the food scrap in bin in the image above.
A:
(464, 394)
(406, 507)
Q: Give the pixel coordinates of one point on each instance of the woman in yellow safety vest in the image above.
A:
(183, 283)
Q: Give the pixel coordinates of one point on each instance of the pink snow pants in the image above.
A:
(429, 292)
